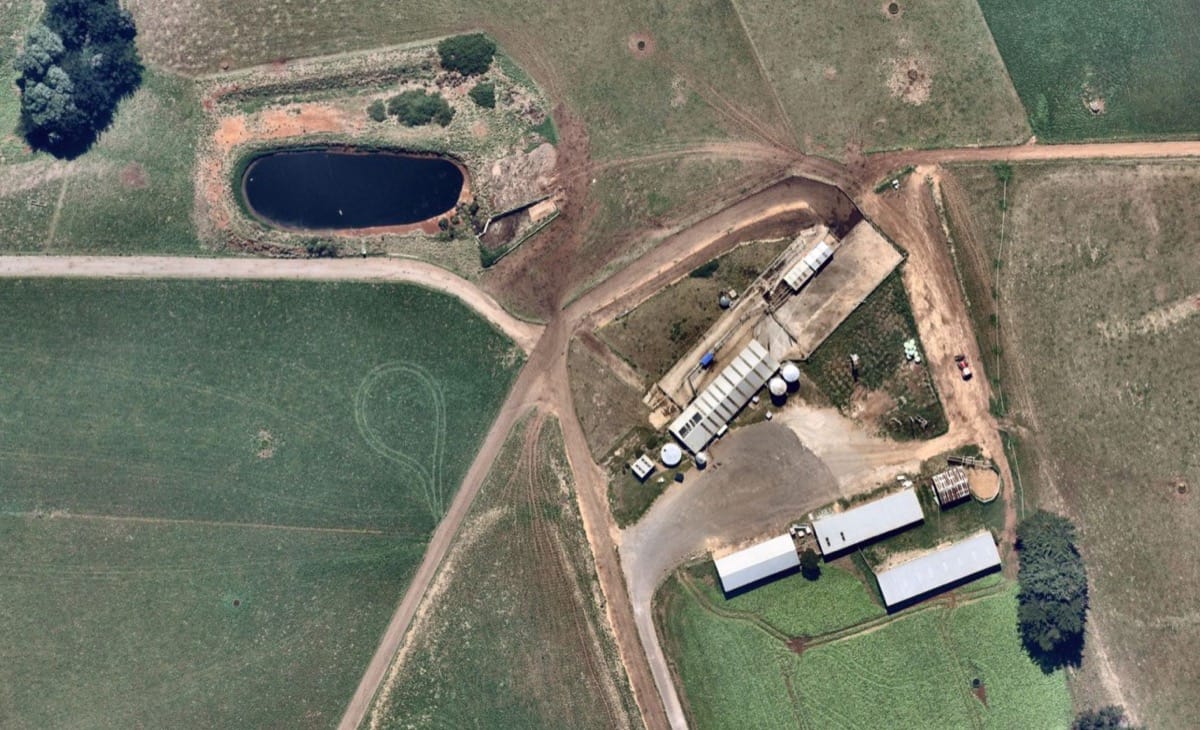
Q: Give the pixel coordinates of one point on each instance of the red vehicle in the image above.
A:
(964, 367)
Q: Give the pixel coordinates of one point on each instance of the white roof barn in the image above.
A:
(756, 562)
(843, 530)
(939, 568)
(724, 397)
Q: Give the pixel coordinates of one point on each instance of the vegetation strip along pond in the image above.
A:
(321, 189)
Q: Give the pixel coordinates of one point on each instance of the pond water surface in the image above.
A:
(324, 189)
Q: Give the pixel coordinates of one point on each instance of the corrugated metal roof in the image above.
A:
(842, 530)
(807, 267)
(757, 562)
(941, 567)
(724, 397)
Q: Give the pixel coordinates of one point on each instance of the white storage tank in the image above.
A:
(671, 455)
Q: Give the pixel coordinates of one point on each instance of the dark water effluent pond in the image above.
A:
(341, 189)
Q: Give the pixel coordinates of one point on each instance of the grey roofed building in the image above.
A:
(939, 568)
(843, 530)
(756, 562)
(724, 397)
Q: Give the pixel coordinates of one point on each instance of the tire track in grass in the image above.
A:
(427, 478)
(540, 490)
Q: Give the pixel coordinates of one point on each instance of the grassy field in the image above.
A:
(1095, 278)
(513, 635)
(1136, 58)
(219, 490)
(132, 193)
(876, 332)
(654, 335)
(855, 74)
(667, 92)
(821, 654)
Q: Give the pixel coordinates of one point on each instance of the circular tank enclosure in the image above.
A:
(777, 387)
(671, 455)
(790, 373)
(346, 189)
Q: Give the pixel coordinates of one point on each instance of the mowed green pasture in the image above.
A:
(1138, 56)
(695, 80)
(1096, 281)
(740, 666)
(133, 192)
(215, 493)
(841, 71)
(515, 636)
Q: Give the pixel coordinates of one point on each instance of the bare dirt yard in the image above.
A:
(1094, 274)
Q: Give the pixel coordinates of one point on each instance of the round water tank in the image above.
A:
(790, 373)
(724, 301)
(701, 459)
(671, 455)
(777, 386)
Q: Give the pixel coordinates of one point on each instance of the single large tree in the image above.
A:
(1053, 599)
(78, 63)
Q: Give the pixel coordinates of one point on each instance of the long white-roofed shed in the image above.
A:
(946, 565)
(843, 530)
(724, 397)
(759, 561)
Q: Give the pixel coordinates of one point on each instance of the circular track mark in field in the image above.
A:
(424, 474)
(641, 45)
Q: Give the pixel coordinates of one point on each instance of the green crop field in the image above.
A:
(876, 332)
(1095, 280)
(513, 635)
(215, 493)
(740, 666)
(854, 74)
(1135, 58)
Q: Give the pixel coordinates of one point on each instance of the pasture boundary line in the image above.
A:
(87, 516)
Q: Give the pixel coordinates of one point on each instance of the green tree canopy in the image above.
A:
(484, 94)
(78, 63)
(810, 564)
(416, 107)
(469, 55)
(1053, 600)
(1111, 717)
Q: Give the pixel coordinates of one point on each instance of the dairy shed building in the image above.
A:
(843, 530)
(763, 560)
(938, 569)
(732, 389)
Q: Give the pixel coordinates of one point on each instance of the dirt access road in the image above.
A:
(364, 270)
(543, 382)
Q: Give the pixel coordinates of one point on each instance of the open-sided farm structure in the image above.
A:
(747, 248)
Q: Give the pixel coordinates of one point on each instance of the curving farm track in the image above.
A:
(542, 384)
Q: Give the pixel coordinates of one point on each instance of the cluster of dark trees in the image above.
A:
(470, 55)
(79, 62)
(417, 107)
(1053, 599)
(1111, 717)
